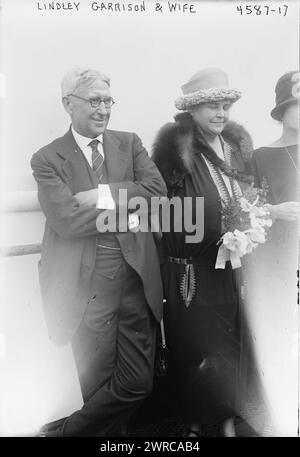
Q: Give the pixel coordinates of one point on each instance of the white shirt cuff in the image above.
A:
(133, 221)
(105, 200)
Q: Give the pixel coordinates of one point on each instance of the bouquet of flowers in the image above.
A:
(245, 222)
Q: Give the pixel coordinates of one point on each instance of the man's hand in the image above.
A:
(287, 211)
(87, 198)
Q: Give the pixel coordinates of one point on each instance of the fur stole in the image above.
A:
(176, 145)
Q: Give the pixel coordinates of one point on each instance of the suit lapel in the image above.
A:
(78, 173)
(116, 159)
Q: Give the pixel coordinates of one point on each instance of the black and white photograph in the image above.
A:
(149, 220)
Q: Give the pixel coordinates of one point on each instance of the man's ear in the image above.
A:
(67, 105)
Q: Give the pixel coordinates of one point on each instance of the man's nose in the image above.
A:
(102, 108)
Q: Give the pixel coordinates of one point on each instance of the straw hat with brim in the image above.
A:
(284, 94)
(209, 85)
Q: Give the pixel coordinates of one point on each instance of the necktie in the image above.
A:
(97, 158)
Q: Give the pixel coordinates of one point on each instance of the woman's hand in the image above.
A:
(286, 211)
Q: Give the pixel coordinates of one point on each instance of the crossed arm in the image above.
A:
(74, 216)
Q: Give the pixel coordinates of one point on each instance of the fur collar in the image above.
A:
(175, 147)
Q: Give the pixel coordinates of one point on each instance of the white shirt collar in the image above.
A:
(84, 141)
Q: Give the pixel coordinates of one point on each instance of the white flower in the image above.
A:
(242, 241)
(229, 241)
(257, 222)
(245, 205)
(258, 211)
(258, 235)
(268, 222)
(251, 245)
(236, 241)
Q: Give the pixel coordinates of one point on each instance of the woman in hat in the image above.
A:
(273, 278)
(278, 163)
(203, 154)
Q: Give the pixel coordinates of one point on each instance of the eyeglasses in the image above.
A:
(96, 102)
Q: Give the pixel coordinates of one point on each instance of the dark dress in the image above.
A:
(202, 334)
(275, 166)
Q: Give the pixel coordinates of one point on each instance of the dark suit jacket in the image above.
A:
(69, 243)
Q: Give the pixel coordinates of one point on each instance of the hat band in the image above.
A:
(214, 94)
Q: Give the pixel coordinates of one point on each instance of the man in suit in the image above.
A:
(101, 291)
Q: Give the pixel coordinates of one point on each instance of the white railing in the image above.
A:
(19, 202)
